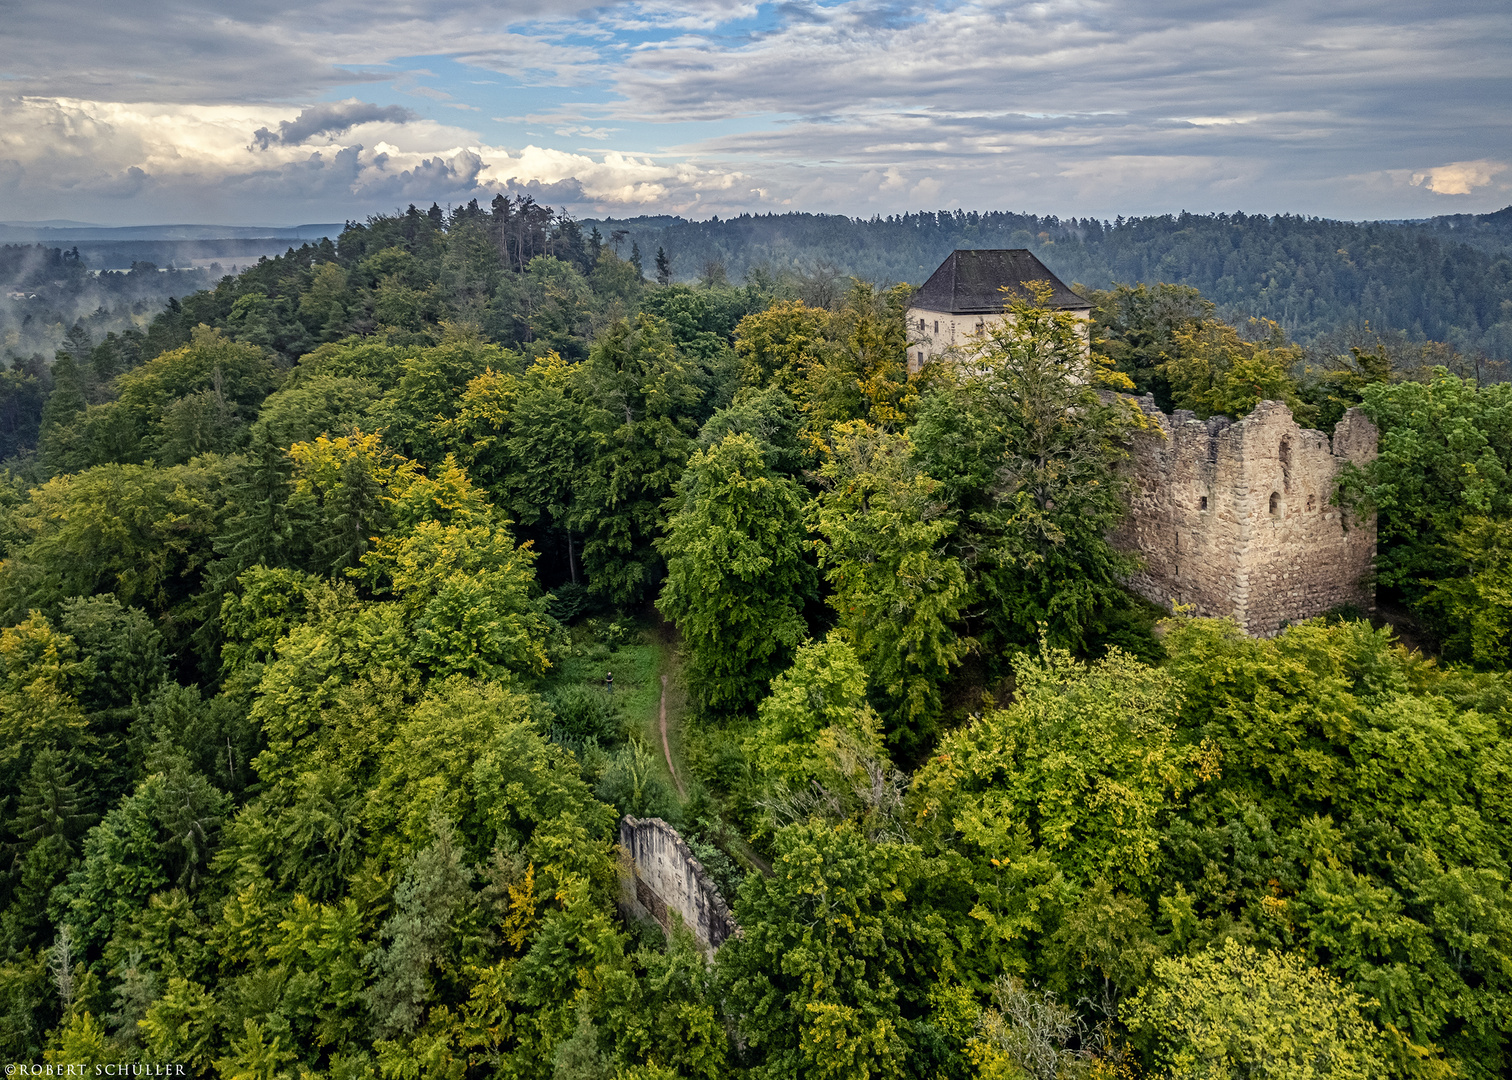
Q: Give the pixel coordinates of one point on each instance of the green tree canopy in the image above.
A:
(737, 578)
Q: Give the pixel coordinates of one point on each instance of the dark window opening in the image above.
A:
(1275, 504)
(1202, 503)
(1312, 502)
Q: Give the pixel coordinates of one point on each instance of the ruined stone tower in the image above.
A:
(1235, 518)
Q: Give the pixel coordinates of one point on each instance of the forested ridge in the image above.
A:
(1443, 279)
(308, 765)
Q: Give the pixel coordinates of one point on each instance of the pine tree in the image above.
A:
(262, 531)
(663, 267)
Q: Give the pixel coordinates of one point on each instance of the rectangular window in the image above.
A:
(937, 326)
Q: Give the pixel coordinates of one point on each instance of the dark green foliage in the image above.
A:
(1135, 328)
(1025, 450)
(634, 784)
(643, 393)
(1445, 458)
(584, 714)
(159, 836)
(737, 578)
(770, 417)
(425, 908)
(126, 654)
(46, 823)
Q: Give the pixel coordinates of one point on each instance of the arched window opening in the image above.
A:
(1202, 503)
(1275, 504)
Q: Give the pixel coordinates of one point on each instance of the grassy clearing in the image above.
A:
(638, 657)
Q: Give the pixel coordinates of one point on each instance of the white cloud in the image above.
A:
(174, 156)
(1459, 177)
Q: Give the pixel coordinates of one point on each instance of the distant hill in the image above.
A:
(1447, 278)
(1490, 232)
(118, 248)
(69, 232)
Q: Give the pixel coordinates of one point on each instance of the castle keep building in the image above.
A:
(1234, 519)
(966, 293)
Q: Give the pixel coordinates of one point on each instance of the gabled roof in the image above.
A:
(970, 282)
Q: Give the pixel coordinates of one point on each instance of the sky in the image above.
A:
(277, 112)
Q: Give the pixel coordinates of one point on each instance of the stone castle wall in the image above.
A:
(663, 877)
(1235, 518)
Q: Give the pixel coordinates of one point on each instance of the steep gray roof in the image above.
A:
(969, 282)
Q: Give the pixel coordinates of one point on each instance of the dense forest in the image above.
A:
(1444, 279)
(309, 766)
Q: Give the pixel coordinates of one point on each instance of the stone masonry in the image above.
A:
(1236, 518)
(663, 877)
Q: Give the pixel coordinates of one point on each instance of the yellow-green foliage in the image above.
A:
(1235, 1012)
(816, 714)
(1213, 371)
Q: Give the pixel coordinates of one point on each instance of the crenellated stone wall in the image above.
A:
(1236, 518)
(663, 877)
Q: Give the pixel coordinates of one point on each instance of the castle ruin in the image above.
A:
(1236, 519)
(663, 877)
(1231, 519)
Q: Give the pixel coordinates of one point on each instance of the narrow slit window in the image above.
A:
(1275, 504)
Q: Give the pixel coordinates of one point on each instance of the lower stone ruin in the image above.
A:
(663, 877)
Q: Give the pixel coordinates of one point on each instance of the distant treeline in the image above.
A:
(1445, 279)
(47, 291)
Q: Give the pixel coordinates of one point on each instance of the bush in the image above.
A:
(584, 713)
(634, 786)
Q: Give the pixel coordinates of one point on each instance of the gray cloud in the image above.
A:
(187, 52)
(333, 119)
(1064, 105)
(1358, 108)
